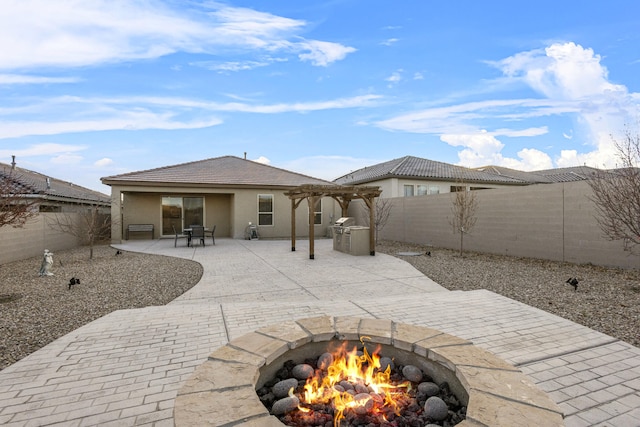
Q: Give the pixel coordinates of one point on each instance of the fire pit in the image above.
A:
(222, 391)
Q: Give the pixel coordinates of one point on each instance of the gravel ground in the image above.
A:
(606, 299)
(34, 310)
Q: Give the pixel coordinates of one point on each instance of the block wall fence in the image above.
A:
(546, 221)
(32, 239)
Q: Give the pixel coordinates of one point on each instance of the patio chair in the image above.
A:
(175, 239)
(213, 232)
(197, 233)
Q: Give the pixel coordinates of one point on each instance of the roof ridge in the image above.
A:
(402, 161)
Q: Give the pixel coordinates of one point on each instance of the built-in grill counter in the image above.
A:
(349, 237)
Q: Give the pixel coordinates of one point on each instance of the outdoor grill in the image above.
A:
(342, 223)
(350, 238)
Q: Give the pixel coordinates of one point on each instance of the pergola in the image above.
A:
(343, 195)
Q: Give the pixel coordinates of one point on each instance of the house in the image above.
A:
(414, 176)
(228, 192)
(49, 197)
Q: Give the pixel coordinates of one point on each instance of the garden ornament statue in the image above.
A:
(47, 262)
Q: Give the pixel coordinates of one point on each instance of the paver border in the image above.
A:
(222, 390)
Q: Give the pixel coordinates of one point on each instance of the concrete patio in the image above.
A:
(126, 368)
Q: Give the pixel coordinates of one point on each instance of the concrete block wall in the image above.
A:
(33, 239)
(546, 221)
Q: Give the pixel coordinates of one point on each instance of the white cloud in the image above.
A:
(76, 114)
(572, 83)
(561, 71)
(395, 77)
(418, 76)
(41, 33)
(29, 79)
(67, 159)
(263, 160)
(46, 149)
(105, 161)
(323, 53)
(482, 149)
(390, 41)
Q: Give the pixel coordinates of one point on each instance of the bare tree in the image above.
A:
(88, 226)
(383, 210)
(15, 207)
(464, 211)
(616, 194)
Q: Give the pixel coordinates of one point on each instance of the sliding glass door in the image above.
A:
(181, 212)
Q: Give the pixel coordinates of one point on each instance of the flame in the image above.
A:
(361, 371)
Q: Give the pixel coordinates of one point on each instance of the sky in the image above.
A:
(90, 89)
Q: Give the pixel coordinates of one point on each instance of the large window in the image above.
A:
(422, 189)
(181, 212)
(265, 209)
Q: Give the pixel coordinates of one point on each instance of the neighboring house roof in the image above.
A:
(419, 168)
(546, 176)
(35, 184)
(527, 177)
(226, 171)
(575, 173)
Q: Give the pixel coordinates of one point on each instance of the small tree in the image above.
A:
(15, 208)
(88, 226)
(383, 210)
(463, 212)
(616, 194)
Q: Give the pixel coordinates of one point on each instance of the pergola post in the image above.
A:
(312, 203)
(293, 225)
(372, 225)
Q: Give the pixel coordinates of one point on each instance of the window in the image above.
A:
(422, 190)
(265, 209)
(455, 188)
(434, 189)
(408, 190)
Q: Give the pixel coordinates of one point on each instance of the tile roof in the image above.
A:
(416, 167)
(546, 176)
(36, 184)
(575, 173)
(218, 171)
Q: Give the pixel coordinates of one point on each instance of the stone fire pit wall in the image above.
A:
(222, 391)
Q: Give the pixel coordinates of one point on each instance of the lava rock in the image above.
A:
(435, 409)
(281, 389)
(429, 389)
(325, 360)
(364, 403)
(302, 371)
(386, 361)
(412, 373)
(346, 385)
(285, 405)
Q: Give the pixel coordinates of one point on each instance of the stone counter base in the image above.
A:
(222, 391)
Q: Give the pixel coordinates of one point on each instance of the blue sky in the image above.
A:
(102, 87)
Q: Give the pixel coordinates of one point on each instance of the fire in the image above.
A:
(368, 387)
